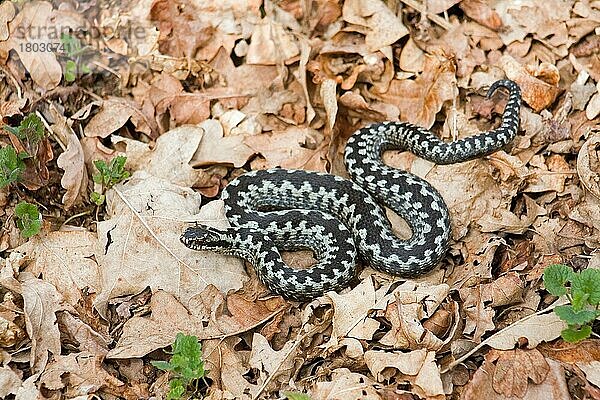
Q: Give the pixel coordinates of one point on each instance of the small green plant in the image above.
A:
(108, 175)
(30, 130)
(185, 365)
(11, 166)
(29, 219)
(296, 396)
(73, 51)
(583, 291)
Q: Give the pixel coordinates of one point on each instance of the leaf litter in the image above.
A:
(194, 93)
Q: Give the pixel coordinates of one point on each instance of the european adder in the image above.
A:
(279, 209)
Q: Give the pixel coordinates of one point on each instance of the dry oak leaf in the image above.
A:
(140, 246)
(346, 385)
(537, 93)
(417, 367)
(593, 108)
(503, 220)
(271, 44)
(7, 13)
(75, 178)
(420, 100)
(350, 312)
(482, 386)
(294, 148)
(29, 28)
(481, 12)
(535, 328)
(215, 148)
(414, 303)
(588, 164)
(41, 301)
(383, 26)
(514, 368)
(114, 112)
(10, 382)
(278, 366)
(479, 317)
(169, 158)
(66, 260)
(82, 374)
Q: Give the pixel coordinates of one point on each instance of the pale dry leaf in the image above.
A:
(87, 339)
(112, 115)
(140, 243)
(593, 108)
(439, 6)
(346, 385)
(294, 148)
(271, 44)
(277, 366)
(142, 335)
(412, 58)
(536, 329)
(10, 382)
(7, 13)
(479, 317)
(481, 12)
(215, 148)
(41, 302)
(587, 162)
(66, 260)
(28, 28)
(554, 387)
(417, 367)
(383, 27)
(75, 178)
(328, 94)
(514, 368)
(591, 370)
(81, 374)
(503, 220)
(350, 312)
(419, 100)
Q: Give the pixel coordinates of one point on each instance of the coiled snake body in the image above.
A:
(279, 209)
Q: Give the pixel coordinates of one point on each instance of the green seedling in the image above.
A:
(108, 175)
(29, 219)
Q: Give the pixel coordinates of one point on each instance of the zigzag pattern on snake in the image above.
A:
(278, 209)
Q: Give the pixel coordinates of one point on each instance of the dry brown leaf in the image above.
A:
(503, 220)
(439, 6)
(554, 387)
(537, 93)
(7, 13)
(588, 165)
(350, 312)
(346, 385)
(29, 27)
(414, 303)
(65, 259)
(218, 149)
(421, 99)
(10, 382)
(479, 317)
(593, 108)
(383, 27)
(36, 173)
(417, 367)
(41, 302)
(481, 12)
(302, 148)
(271, 44)
(536, 329)
(75, 178)
(514, 368)
(82, 374)
(140, 243)
(276, 366)
(112, 115)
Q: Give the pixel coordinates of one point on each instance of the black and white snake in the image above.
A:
(279, 209)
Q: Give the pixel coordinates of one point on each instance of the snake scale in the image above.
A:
(338, 219)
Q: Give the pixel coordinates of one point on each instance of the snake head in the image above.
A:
(205, 238)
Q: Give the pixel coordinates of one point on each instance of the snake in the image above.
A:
(343, 221)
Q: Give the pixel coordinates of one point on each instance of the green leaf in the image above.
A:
(572, 317)
(296, 396)
(11, 166)
(177, 389)
(574, 335)
(555, 278)
(70, 72)
(97, 198)
(29, 219)
(162, 365)
(586, 284)
(31, 129)
(71, 44)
